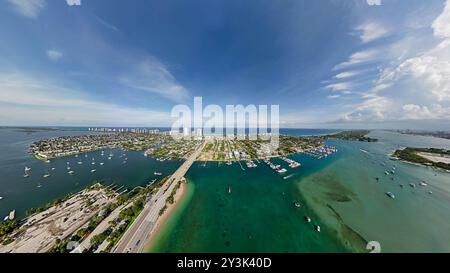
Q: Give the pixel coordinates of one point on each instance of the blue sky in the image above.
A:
(328, 64)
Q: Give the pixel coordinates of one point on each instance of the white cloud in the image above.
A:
(372, 31)
(153, 77)
(359, 58)
(30, 101)
(348, 74)
(415, 86)
(374, 2)
(441, 25)
(413, 111)
(28, 8)
(333, 96)
(54, 55)
(73, 2)
(340, 86)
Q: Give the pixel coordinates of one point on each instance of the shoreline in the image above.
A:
(163, 219)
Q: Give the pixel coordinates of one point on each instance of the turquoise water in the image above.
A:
(414, 222)
(23, 193)
(339, 193)
(257, 216)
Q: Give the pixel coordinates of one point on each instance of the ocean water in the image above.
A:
(346, 195)
(340, 193)
(21, 193)
(257, 216)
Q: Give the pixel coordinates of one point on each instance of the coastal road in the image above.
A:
(135, 237)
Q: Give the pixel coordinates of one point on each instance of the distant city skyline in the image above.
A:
(328, 64)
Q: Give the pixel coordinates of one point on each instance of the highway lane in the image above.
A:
(135, 237)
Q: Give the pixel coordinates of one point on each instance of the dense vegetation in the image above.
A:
(410, 155)
(357, 135)
(6, 228)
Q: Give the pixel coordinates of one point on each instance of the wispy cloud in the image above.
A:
(28, 8)
(359, 58)
(107, 24)
(340, 86)
(371, 31)
(349, 74)
(414, 87)
(45, 103)
(334, 96)
(54, 55)
(152, 76)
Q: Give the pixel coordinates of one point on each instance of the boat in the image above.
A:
(27, 169)
(53, 169)
(386, 173)
(423, 184)
(80, 162)
(287, 177)
(229, 189)
(430, 192)
(39, 186)
(229, 163)
(109, 158)
(85, 156)
(307, 219)
(390, 195)
(282, 170)
(6, 218)
(47, 161)
(317, 228)
(71, 172)
(93, 171)
(412, 185)
(46, 175)
(92, 163)
(297, 204)
(124, 162)
(68, 168)
(101, 163)
(1, 198)
(157, 173)
(26, 175)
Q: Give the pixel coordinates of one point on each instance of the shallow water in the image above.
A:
(340, 193)
(414, 221)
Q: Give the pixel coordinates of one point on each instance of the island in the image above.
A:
(73, 145)
(231, 149)
(439, 158)
(355, 135)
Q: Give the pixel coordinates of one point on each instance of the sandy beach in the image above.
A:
(162, 220)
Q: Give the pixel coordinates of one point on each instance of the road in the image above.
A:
(135, 237)
(102, 227)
